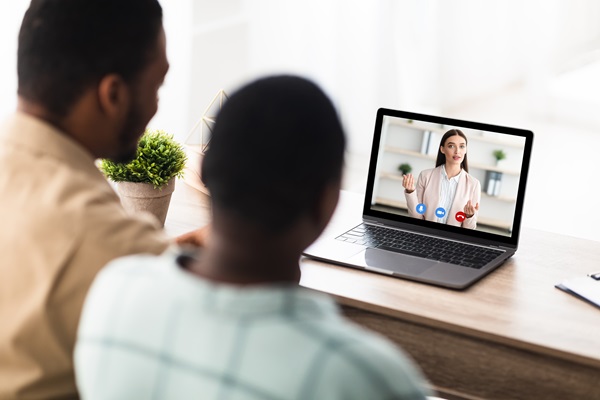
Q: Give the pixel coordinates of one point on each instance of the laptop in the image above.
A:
(459, 217)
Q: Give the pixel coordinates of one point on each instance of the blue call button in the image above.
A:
(440, 212)
(421, 208)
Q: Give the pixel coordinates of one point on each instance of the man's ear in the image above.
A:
(113, 96)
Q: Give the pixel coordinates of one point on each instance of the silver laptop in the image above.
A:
(443, 201)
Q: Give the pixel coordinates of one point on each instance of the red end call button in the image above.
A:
(460, 216)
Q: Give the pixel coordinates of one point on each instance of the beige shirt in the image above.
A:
(61, 222)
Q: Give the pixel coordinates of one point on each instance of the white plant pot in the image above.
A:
(142, 197)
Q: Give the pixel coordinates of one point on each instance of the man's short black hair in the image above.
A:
(67, 45)
(276, 144)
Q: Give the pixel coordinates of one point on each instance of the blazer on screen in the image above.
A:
(427, 191)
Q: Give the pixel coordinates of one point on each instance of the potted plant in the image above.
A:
(405, 168)
(147, 182)
(499, 155)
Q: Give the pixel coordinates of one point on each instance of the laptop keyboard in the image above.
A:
(420, 245)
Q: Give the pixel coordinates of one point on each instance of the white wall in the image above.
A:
(421, 55)
(174, 96)
(11, 14)
(364, 54)
(455, 58)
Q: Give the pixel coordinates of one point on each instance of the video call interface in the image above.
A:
(448, 174)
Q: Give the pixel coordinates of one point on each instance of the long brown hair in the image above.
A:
(441, 158)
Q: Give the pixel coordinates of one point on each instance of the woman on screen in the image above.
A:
(447, 194)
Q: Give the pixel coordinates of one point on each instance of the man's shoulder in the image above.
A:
(47, 180)
(39, 200)
(85, 200)
(80, 200)
(45, 197)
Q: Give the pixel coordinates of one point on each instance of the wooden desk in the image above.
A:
(510, 336)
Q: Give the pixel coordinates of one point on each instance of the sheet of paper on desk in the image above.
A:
(583, 287)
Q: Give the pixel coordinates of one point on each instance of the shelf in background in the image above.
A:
(391, 203)
(493, 168)
(416, 125)
(506, 199)
(480, 137)
(418, 154)
(388, 175)
(398, 150)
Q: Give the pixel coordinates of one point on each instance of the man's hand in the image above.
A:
(194, 238)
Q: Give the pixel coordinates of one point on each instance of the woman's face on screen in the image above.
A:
(454, 149)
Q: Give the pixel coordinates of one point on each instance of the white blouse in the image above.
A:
(447, 192)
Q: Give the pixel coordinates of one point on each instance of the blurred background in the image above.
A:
(532, 65)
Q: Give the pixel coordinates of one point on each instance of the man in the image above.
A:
(231, 321)
(88, 76)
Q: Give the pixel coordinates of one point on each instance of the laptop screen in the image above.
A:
(447, 174)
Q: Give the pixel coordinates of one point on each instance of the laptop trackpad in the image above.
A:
(388, 261)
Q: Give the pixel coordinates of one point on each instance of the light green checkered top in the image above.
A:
(152, 330)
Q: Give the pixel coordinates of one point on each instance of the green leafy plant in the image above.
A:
(404, 168)
(499, 154)
(159, 159)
